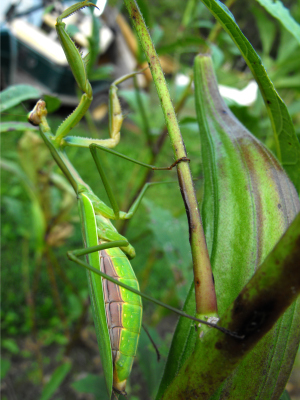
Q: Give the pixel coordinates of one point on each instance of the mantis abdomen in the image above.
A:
(123, 313)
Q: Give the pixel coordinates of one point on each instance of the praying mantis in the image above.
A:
(116, 300)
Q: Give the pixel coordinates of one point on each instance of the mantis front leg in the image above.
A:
(77, 64)
(115, 116)
(78, 67)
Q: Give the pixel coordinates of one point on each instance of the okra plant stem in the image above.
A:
(204, 287)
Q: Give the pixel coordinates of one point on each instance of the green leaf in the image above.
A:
(144, 6)
(287, 144)
(5, 366)
(56, 379)
(171, 236)
(10, 345)
(157, 34)
(186, 44)
(288, 50)
(52, 102)
(93, 384)
(147, 360)
(38, 217)
(289, 82)
(267, 30)
(280, 12)
(11, 126)
(285, 396)
(183, 343)
(14, 95)
(101, 73)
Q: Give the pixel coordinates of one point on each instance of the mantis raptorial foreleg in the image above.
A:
(78, 67)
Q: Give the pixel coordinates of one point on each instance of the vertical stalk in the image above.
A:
(204, 288)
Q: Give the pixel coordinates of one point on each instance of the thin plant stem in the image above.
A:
(204, 286)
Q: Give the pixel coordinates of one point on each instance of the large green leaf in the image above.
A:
(14, 95)
(287, 144)
(171, 237)
(280, 12)
(267, 30)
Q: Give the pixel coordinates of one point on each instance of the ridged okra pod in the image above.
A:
(248, 204)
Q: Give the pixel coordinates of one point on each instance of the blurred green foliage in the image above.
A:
(45, 317)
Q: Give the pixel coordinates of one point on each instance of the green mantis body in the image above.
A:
(117, 318)
(117, 311)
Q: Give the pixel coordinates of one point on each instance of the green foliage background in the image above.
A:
(33, 346)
